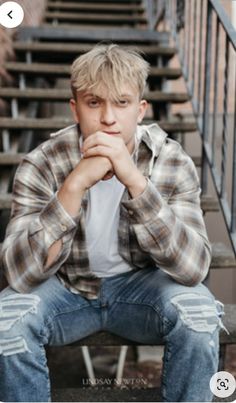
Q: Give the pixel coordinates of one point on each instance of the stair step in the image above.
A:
(10, 158)
(57, 70)
(95, 18)
(72, 33)
(97, 7)
(222, 258)
(56, 124)
(197, 160)
(106, 394)
(207, 203)
(62, 95)
(77, 49)
(15, 159)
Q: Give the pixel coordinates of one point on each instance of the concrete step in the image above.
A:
(63, 95)
(57, 70)
(54, 124)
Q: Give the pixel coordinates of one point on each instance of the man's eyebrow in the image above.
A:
(90, 94)
(126, 95)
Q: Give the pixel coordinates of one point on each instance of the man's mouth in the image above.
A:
(111, 133)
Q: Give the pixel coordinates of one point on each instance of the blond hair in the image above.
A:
(110, 67)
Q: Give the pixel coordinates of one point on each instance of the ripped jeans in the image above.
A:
(146, 306)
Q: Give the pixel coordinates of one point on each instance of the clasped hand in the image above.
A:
(114, 148)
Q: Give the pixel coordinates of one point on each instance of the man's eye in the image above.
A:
(93, 103)
(122, 102)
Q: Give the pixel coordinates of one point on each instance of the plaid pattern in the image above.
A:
(162, 227)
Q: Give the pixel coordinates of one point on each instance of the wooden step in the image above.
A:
(207, 203)
(5, 201)
(92, 33)
(15, 159)
(10, 158)
(222, 256)
(107, 394)
(56, 124)
(63, 95)
(58, 70)
(197, 160)
(97, 7)
(95, 18)
(63, 47)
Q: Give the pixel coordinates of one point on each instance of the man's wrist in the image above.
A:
(137, 186)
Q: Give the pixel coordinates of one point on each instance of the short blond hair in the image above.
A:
(109, 66)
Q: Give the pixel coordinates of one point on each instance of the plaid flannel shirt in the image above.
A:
(163, 227)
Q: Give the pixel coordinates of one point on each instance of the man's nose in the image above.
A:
(108, 115)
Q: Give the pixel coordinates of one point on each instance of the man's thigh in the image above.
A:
(146, 305)
(49, 310)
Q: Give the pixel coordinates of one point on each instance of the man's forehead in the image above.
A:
(104, 93)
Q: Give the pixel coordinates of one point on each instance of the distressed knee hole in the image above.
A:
(15, 307)
(14, 345)
(198, 312)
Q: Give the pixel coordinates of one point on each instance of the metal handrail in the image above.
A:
(205, 40)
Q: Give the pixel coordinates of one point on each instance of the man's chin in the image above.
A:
(108, 175)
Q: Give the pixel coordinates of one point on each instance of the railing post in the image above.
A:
(233, 201)
(206, 102)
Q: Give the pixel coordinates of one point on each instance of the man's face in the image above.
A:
(95, 111)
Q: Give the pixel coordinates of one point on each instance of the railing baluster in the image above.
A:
(206, 109)
(233, 201)
(189, 39)
(194, 46)
(225, 131)
(215, 92)
(200, 60)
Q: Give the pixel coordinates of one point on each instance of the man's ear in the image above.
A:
(142, 110)
(74, 110)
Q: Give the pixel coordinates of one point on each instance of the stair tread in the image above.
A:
(94, 33)
(206, 202)
(65, 47)
(103, 394)
(95, 18)
(222, 258)
(56, 124)
(64, 70)
(98, 7)
(10, 158)
(55, 94)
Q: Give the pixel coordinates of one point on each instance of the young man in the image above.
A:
(107, 233)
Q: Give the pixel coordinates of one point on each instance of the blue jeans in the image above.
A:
(146, 306)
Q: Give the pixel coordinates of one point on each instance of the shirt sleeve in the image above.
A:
(171, 229)
(37, 221)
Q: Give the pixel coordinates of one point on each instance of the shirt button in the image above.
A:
(63, 227)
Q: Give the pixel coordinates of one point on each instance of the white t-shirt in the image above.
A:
(101, 228)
